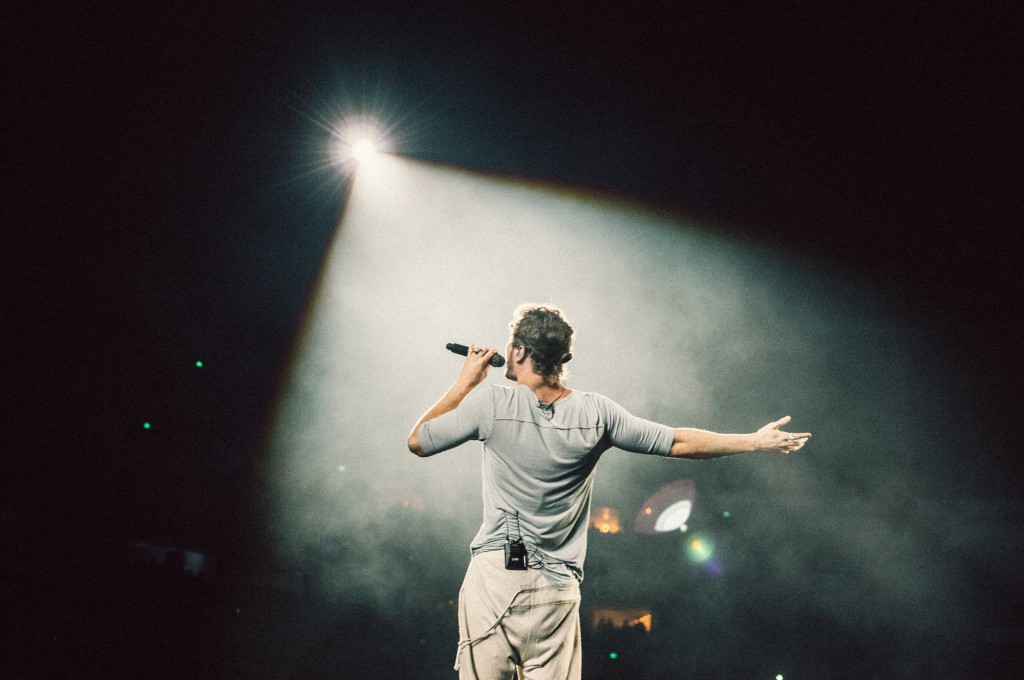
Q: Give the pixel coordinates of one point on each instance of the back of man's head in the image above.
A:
(547, 337)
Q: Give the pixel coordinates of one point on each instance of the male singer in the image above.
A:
(519, 603)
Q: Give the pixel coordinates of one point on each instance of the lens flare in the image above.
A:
(699, 549)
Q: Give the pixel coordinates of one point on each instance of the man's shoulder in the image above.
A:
(498, 395)
(503, 391)
(595, 398)
(600, 406)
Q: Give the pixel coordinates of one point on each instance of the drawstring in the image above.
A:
(466, 643)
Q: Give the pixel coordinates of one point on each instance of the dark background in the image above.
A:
(168, 204)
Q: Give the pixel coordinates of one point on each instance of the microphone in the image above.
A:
(497, 360)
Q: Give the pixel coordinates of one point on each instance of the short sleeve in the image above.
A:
(470, 421)
(634, 434)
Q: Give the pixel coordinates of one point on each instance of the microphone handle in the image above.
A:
(497, 360)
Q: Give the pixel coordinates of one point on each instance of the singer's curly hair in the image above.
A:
(547, 337)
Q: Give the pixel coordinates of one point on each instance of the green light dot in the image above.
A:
(199, 364)
(147, 425)
(613, 656)
(727, 514)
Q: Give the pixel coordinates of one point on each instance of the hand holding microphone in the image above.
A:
(497, 360)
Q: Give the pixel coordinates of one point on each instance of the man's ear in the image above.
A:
(519, 354)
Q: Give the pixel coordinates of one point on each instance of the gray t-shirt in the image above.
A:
(538, 465)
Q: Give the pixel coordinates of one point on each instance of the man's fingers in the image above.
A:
(793, 442)
(776, 424)
(795, 438)
(481, 353)
(473, 356)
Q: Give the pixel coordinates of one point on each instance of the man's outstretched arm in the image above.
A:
(689, 442)
(474, 370)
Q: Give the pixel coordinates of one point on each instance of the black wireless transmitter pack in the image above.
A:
(515, 554)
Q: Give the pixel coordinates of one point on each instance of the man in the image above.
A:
(519, 603)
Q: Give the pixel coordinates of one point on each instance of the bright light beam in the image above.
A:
(427, 255)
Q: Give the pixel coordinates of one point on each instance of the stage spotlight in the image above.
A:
(363, 150)
(358, 140)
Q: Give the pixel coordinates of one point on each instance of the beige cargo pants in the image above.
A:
(516, 624)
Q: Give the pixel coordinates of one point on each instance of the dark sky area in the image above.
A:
(169, 203)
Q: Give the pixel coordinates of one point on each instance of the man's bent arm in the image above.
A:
(474, 370)
(449, 402)
(688, 442)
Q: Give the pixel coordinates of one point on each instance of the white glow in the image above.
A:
(363, 150)
(359, 139)
(674, 517)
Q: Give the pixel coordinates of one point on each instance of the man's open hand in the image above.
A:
(771, 438)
